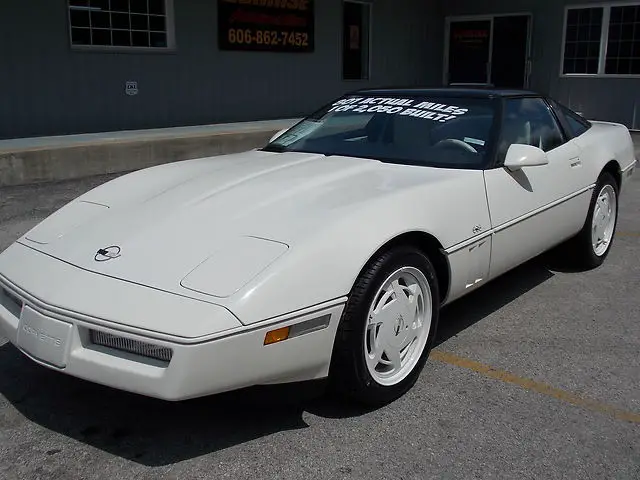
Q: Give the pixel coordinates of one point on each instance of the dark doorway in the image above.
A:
(469, 47)
(489, 50)
(356, 20)
(509, 52)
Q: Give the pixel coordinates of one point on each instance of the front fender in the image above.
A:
(323, 264)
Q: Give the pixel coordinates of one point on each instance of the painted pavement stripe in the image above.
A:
(535, 386)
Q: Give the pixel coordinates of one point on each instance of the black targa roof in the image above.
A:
(447, 92)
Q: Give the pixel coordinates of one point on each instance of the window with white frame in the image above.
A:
(602, 40)
(119, 23)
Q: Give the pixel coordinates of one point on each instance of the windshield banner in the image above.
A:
(437, 112)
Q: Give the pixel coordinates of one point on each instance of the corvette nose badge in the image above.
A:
(107, 253)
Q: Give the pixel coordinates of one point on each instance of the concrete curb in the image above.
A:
(42, 163)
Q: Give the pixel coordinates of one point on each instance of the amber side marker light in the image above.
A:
(275, 336)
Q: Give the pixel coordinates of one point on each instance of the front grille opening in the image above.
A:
(129, 345)
(10, 302)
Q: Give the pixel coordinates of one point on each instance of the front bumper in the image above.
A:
(58, 336)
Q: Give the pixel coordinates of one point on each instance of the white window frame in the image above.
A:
(170, 28)
(604, 39)
(369, 3)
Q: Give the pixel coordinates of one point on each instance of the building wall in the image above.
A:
(611, 99)
(49, 89)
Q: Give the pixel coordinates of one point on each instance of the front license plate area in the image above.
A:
(44, 338)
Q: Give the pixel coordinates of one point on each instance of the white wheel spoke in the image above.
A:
(399, 291)
(411, 309)
(414, 332)
(600, 227)
(386, 315)
(393, 354)
(603, 203)
(373, 359)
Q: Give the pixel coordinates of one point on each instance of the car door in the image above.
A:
(536, 207)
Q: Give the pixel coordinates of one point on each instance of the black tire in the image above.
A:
(579, 250)
(349, 375)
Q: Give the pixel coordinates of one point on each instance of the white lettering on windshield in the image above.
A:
(436, 112)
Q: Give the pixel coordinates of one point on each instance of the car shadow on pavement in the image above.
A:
(492, 297)
(144, 430)
(157, 433)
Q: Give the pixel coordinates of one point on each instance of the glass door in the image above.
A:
(469, 52)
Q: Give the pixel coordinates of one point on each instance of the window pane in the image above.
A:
(120, 20)
(616, 15)
(79, 3)
(529, 121)
(569, 65)
(157, 24)
(577, 124)
(584, 25)
(583, 50)
(593, 52)
(573, 16)
(627, 31)
(79, 18)
(139, 22)
(120, 6)
(100, 4)
(570, 50)
(80, 36)
(624, 66)
(624, 40)
(122, 38)
(100, 37)
(139, 6)
(140, 39)
(157, 7)
(100, 20)
(158, 39)
(581, 65)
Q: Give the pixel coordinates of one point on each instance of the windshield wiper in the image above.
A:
(274, 148)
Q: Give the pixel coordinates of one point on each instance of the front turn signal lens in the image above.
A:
(275, 336)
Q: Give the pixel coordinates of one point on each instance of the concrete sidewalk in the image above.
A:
(45, 159)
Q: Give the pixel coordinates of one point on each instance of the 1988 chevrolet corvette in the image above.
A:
(328, 253)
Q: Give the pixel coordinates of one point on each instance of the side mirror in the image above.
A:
(519, 156)
(278, 134)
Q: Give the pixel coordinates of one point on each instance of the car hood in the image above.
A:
(239, 213)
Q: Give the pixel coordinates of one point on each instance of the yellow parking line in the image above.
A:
(628, 234)
(534, 386)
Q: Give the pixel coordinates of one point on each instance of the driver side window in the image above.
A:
(528, 121)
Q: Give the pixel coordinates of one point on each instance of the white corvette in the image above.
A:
(326, 254)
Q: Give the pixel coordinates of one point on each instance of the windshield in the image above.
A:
(451, 132)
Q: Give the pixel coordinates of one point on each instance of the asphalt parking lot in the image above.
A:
(537, 375)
